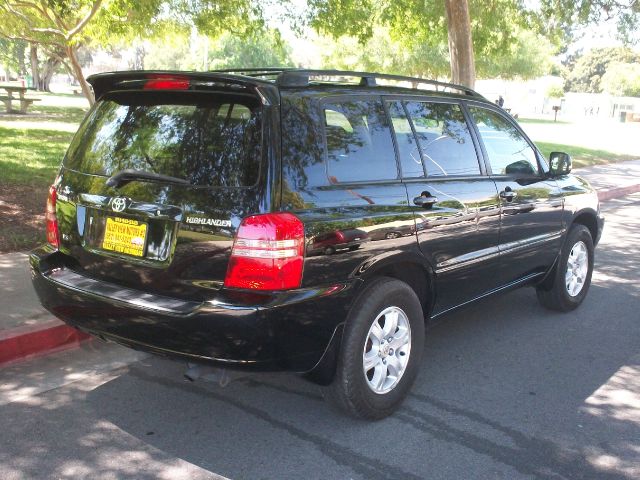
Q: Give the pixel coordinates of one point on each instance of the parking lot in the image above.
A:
(507, 390)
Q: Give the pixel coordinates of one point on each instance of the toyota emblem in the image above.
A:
(118, 204)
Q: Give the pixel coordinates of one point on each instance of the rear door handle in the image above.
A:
(424, 201)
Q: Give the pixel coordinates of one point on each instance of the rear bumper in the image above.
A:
(284, 331)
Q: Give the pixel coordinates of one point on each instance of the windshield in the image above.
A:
(207, 139)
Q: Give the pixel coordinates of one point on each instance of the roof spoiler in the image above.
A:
(109, 81)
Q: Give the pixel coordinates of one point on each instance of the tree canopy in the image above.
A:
(504, 32)
(586, 72)
(62, 26)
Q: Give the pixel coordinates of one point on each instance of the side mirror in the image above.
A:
(559, 164)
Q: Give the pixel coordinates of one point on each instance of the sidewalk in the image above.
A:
(27, 330)
(613, 180)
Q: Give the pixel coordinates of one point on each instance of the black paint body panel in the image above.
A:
(468, 244)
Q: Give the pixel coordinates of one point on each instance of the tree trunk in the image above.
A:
(50, 67)
(35, 69)
(21, 47)
(463, 70)
(77, 72)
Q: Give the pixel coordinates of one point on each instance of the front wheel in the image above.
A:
(572, 277)
(381, 351)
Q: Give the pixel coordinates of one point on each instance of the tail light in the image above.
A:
(166, 82)
(268, 253)
(53, 237)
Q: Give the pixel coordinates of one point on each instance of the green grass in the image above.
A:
(583, 157)
(31, 156)
(542, 120)
(50, 113)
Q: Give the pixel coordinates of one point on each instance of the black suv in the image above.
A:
(187, 204)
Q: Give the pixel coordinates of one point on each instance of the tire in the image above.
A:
(329, 251)
(392, 235)
(352, 389)
(568, 291)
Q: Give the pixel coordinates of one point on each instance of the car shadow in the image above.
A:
(503, 381)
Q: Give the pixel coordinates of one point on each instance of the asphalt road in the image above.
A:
(507, 390)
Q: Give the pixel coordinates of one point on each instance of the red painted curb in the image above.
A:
(22, 343)
(617, 192)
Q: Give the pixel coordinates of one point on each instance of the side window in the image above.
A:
(407, 147)
(508, 151)
(444, 139)
(359, 143)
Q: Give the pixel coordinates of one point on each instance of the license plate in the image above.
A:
(124, 235)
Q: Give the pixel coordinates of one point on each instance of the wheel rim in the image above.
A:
(386, 350)
(577, 268)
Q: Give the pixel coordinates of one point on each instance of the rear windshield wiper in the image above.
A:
(125, 176)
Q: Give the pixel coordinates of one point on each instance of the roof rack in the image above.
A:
(296, 77)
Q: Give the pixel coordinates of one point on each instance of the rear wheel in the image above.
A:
(572, 277)
(381, 351)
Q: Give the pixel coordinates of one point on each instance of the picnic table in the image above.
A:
(9, 98)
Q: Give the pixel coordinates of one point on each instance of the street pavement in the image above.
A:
(507, 390)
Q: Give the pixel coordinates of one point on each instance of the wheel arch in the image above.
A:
(413, 269)
(588, 218)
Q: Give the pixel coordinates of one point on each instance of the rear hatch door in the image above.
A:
(157, 180)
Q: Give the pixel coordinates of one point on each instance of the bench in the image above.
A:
(24, 103)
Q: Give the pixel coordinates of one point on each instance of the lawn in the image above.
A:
(544, 121)
(31, 149)
(583, 157)
(31, 156)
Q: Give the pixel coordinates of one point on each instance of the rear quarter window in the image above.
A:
(210, 140)
(358, 140)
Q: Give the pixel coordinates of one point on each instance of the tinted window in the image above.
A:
(408, 150)
(444, 139)
(359, 143)
(212, 141)
(509, 153)
(303, 163)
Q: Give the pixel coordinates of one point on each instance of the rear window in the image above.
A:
(209, 140)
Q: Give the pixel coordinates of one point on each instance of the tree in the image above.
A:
(463, 68)
(12, 55)
(585, 75)
(555, 91)
(529, 55)
(381, 53)
(261, 48)
(264, 48)
(622, 79)
(66, 25)
(494, 24)
(562, 20)
(428, 25)
(54, 25)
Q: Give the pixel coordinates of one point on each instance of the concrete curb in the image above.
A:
(617, 192)
(29, 341)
